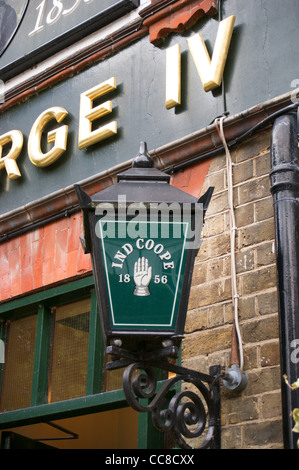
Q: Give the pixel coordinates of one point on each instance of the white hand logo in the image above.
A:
(142, 277)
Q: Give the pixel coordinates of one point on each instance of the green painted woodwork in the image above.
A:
(63, 293)
(63, 409)
(41, 358)
(148, 436)
(95, 351)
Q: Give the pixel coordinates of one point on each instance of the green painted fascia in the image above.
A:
(46, 295)
(64, 409)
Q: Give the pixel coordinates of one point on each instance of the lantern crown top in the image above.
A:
(143, 158)
(143, 169)
(141, 183)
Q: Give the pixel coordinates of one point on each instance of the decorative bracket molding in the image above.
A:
(190, 415)
(163, 17)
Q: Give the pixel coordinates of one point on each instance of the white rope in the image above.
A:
(233, 228)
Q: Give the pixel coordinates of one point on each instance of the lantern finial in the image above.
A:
(143, 158)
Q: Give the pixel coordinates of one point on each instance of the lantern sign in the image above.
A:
(143, 235)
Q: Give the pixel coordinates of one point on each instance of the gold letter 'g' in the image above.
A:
(58, 136)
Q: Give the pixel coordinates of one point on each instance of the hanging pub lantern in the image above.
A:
(143, 235)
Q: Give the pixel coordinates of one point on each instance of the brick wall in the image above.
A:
(252, 418)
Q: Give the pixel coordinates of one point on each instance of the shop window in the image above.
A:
(69, 351)
(19, 357)
(53, 352)
(113, 380)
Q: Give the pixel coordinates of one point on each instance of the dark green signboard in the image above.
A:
(33, 30)
(144, 275)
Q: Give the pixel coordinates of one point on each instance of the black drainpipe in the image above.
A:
(284, 178)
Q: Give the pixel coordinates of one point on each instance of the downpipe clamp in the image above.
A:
(235, 379)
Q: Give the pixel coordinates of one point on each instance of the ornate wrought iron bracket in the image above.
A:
(190, 413)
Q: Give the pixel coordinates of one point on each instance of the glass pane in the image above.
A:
(69, 351)
(113, 380)
(19, 360)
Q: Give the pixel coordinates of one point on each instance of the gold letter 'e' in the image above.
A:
(58, 136)
(9, 161)
(88, 114)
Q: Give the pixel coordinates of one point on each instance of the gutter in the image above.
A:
(284, 177)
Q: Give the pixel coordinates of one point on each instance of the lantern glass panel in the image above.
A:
(144, 268)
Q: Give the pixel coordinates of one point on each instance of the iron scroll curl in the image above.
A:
(189, 414)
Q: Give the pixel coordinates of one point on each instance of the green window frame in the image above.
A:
(95, 399)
